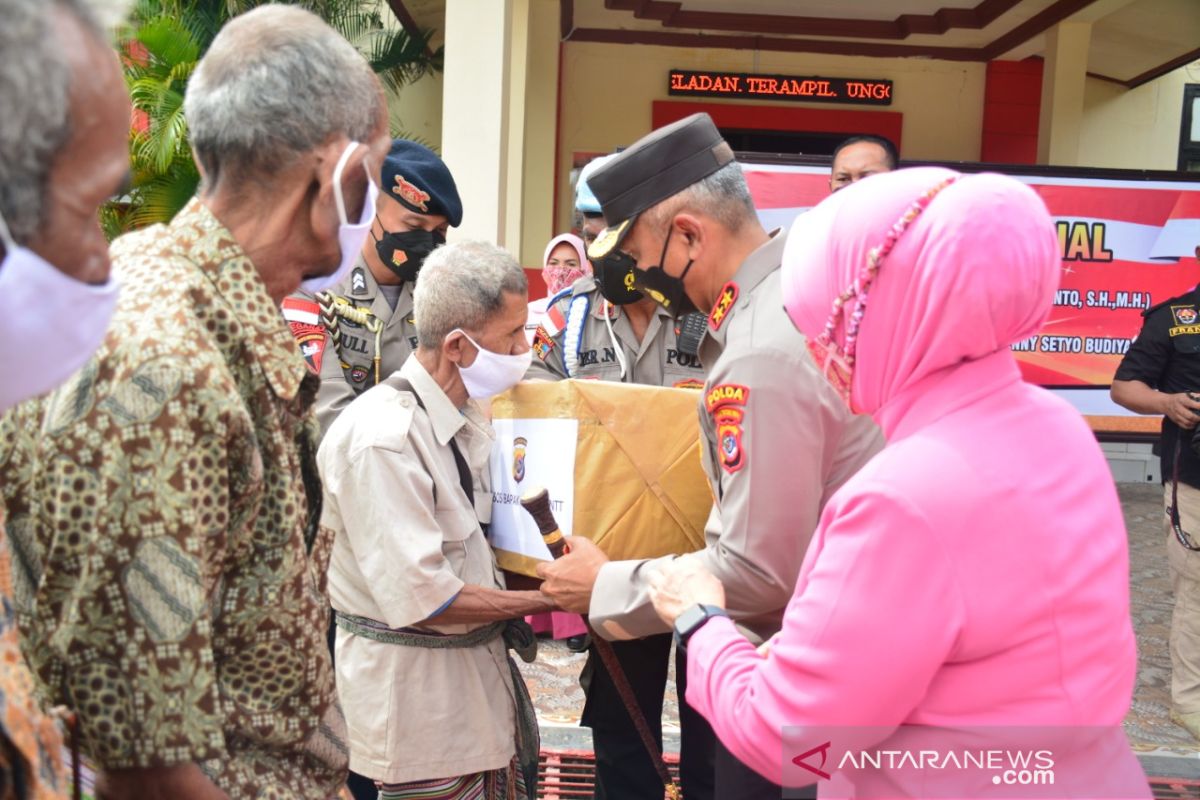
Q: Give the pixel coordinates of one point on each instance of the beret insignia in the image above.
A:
(410, 194)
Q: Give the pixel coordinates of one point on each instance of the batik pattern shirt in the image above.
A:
(176, 572)
(31, 764)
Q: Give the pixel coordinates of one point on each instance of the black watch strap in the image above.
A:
(692, 619)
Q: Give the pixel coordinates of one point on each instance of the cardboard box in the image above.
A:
(622, 463)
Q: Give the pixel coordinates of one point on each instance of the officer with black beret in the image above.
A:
(361, 330)
(1160, 374)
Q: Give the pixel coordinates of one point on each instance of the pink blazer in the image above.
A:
(975, 573)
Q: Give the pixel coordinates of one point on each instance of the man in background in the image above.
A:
(861, 157)
(602, 329)
(1160, 374)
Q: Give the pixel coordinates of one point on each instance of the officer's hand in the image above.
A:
(569, 579)
(1183, 410)
(682, 584)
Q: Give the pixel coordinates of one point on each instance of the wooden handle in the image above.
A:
(537, 502)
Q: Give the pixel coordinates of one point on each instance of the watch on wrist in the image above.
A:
(692, 618)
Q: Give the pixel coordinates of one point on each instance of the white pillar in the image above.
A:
(483, 118)
(1063, 78)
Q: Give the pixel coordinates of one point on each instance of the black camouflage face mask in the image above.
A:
(404, 253)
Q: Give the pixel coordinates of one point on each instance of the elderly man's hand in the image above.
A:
(569, 580)
(682, 584)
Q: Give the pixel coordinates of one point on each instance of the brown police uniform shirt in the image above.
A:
(342, 350)
(573, 341)
(778, 441)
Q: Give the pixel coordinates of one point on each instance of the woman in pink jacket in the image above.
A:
(968, 589)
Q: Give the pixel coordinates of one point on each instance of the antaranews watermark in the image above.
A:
(1041, 763)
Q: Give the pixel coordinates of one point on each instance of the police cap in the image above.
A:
(659, 165)
(414, 176)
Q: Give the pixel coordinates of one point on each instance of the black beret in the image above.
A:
(418, 179)
(659, 165)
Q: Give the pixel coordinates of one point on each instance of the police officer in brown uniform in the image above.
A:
(600, 328)
(777, 440)
(361, 330)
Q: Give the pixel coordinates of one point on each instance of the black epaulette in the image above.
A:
(1177, 298)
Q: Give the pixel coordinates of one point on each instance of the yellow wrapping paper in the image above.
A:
(640, 490)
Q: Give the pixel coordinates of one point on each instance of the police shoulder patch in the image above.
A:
(543, 344)
(726, 403)
(720, 309)
(689, 383)
(1185, 315)
(303, 317)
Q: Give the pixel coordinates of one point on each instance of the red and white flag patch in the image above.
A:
(304, 319)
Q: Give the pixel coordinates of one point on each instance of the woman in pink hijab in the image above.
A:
(969, 587)
(564, 262)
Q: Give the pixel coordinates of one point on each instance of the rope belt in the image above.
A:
(517, 635)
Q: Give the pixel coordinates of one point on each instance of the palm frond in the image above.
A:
(161, 47)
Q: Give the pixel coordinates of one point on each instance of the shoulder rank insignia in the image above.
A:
(358, 281)
(542, 343)
(720, 309)
(409, 193)
(726, 403)
(304, 319)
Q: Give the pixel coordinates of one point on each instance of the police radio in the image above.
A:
(689, 331)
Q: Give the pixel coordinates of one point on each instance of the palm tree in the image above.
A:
(160, 49)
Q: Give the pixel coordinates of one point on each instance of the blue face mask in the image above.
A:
(350, 237)
(40, 303)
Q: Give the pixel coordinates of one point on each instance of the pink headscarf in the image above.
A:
(973, 273)
(559, 278)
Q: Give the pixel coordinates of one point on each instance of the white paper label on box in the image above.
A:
(529, 453)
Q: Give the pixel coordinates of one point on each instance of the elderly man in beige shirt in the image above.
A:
(433, 704)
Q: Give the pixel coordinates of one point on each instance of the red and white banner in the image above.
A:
(1126, 245)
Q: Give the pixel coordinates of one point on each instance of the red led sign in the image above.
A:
(780, 87)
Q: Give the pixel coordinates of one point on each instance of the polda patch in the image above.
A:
(726, 404)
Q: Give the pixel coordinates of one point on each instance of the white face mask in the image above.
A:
(50, 323)
(350, 237)
(491, 373)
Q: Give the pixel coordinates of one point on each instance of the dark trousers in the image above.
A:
(708, 771)
(624, 770)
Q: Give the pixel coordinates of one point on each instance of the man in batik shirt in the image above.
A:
(63, 151)
(173, 492)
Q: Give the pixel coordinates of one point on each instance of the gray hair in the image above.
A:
(723, 196)
(34, 95)
(462, 285)
(276, 83)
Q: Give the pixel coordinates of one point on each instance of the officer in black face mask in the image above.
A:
(361, 330)
(603, 329)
